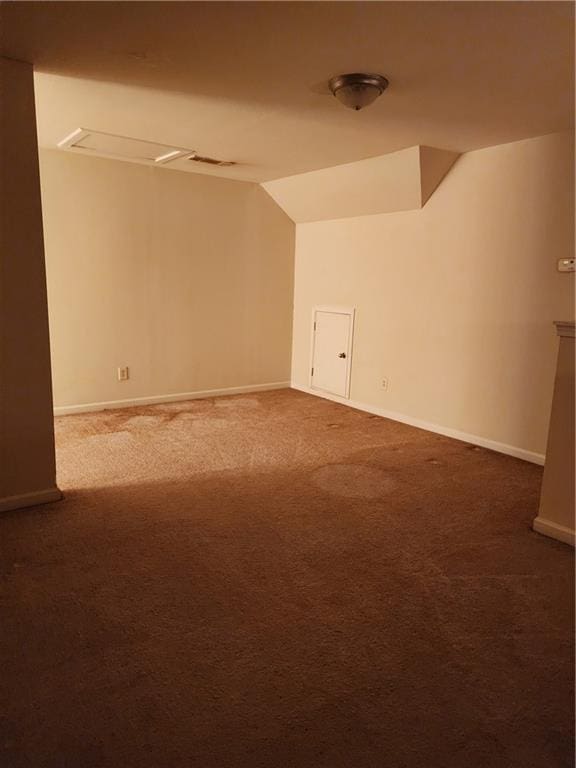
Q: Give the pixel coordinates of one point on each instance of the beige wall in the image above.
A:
(556, 515)
(27, 470)
(186, 279)
(455, 302)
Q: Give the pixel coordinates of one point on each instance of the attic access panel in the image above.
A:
(122, 147)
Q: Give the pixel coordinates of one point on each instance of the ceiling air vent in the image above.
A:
(210, 160)
(122, 147)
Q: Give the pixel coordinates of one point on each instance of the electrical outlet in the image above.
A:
(123, 374)
(385, 384)
(566, 265)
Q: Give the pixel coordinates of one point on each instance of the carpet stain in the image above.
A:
(110, 437)
(353, 481)
(144, 422)
(239, 402)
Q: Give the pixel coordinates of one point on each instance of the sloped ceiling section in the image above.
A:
(434, 165)
(398, 181)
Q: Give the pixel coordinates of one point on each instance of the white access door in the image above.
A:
(332, 348)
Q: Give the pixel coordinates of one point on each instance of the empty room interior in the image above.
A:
(287, 384)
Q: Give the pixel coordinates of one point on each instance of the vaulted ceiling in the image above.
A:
(247, 81)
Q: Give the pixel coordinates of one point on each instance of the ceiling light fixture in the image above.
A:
(357, 90)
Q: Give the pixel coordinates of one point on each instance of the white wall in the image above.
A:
(455, 302)
(185, 278)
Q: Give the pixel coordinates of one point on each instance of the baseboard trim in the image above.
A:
(554, 530)
(30, 499)
(65, 410)
(493, 445)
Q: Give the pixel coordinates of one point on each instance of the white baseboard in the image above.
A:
(554, 530)
(64, 410)
(30, 499)
(493, 445)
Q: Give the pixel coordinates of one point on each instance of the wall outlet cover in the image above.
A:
(566, 265)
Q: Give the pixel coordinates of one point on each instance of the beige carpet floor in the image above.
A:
(277, 581)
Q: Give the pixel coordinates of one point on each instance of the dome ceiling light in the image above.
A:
(357, 90)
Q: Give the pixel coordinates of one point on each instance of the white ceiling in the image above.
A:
(246, 81)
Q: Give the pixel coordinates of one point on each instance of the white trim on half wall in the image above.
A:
(554, 530)
(30, 499)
